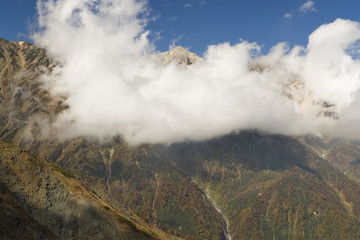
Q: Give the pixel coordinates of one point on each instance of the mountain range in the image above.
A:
(244, 185)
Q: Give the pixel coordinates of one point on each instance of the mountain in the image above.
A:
(245, 185)
(179, 56)
(57, 201)
(15, 222)
(122, 175)
(272, 186)
(344, 155)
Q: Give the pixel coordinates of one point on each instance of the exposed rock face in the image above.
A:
(293, 87)
(179, 56)
(55, 199)
(23, 99)
(15, 222)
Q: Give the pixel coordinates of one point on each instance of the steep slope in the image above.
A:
(294, 88)
(272, 187)
(56, 200)
(141, 180)
(179, 56)
(344, 155)
(24, 102)
(15, 222)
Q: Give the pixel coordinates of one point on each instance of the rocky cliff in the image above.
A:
(179, 56)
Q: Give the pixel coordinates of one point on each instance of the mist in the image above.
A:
(116, 85)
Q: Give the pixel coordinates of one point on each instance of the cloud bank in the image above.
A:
(116, 84)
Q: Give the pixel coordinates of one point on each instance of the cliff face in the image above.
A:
(245, 185)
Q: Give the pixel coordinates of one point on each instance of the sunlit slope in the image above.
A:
(58, 201)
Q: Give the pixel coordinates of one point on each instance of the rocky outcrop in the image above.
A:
(56, 200)
(294, 88)
(179, 56)
(15, 222)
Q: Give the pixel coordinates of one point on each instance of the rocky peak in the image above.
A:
(180, 56)
(294, 88)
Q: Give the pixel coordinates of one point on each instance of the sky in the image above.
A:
(196, 24)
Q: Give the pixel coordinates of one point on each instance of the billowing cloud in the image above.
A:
(116, 84)
(308, 6)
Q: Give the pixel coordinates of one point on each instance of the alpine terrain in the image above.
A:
(244, 185)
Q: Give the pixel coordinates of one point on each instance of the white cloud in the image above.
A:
(188, 5)
(191, 4)
(308, 6)
(174, 42)
(173, 18)
(288, 15)
(116, 85)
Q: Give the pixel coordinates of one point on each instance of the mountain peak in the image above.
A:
(179, 49)
(180, 56)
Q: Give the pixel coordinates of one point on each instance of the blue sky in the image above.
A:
(198, 23)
